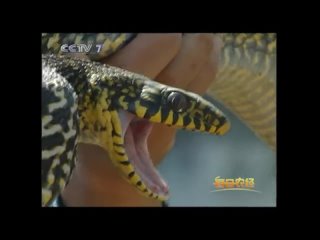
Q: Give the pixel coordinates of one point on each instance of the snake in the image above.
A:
(86, 101)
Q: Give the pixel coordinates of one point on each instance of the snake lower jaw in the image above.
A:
(136, 132)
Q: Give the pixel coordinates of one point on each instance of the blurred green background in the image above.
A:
(197, 159)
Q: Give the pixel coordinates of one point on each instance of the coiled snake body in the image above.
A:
(86, 101)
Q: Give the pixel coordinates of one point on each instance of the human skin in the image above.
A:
(186, 61)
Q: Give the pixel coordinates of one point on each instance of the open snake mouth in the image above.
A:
(135, 133)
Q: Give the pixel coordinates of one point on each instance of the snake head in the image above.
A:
(175, 107)
(140, 102)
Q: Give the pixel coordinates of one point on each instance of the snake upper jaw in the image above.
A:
(135, 133)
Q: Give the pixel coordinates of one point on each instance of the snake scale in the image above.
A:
(89, 102)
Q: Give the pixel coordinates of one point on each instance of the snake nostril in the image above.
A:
(208, 118)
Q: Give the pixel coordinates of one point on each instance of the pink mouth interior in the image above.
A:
(136, 132)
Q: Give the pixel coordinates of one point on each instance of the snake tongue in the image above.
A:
(136, 132)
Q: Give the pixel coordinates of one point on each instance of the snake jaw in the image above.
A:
(148, 102)
(223, 129)
(135, 132)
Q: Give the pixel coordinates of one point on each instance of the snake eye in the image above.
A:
(177, 101)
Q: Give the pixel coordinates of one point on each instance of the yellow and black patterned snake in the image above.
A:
(86, 101)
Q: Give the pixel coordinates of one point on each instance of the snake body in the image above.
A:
(86, 101)
(246, 81)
